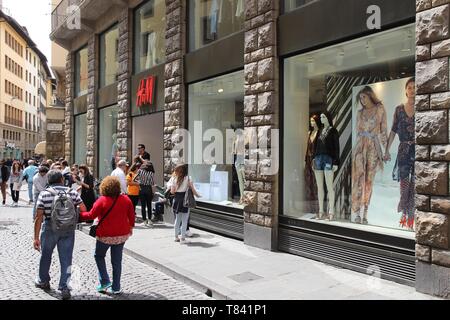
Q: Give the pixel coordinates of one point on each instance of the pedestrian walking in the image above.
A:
(146, 182)
(120, 172)
(15, 182)
(115, 214)
(28, 175)
(40, 183)
(56, 212)
(179, 184)
(86, 181)
(4, 176)
(133, 186)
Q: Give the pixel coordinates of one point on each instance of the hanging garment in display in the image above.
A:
(151, 52)
(239, 151)
(371, 131)
(240, 8)
(214, 14)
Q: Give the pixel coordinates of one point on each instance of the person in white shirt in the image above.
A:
(120, 173)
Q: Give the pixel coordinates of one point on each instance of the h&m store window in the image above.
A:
(211, 20)
(349, 133)
(108, 148)
(216, 118)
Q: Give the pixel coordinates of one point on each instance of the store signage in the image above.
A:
(146, 91)
(54, 127)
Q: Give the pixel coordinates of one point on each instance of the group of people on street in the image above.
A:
(60, 191)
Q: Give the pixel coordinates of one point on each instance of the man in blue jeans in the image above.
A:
(49, 239)
(28, 174)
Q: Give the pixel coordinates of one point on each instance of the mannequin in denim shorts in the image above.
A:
(325, 164)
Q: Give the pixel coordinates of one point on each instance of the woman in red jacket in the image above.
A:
(113, 231)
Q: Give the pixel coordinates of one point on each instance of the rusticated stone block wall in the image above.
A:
(432, 147)
(174, 93)
(260, 110)
(123, 87)
(91, 116)
(68, 125)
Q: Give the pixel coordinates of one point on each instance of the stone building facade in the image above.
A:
(433, 150)
(264, 48)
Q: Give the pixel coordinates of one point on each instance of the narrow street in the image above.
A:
(19, 266)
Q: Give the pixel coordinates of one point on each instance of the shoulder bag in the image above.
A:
(189, 200)
(93, 229)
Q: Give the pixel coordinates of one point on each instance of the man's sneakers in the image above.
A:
(148, 223)
(103, 288)
(42, 285)
(65, 293)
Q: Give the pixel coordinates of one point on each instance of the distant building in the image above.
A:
(24, 83)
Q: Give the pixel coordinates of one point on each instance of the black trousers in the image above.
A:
(14, 194)
(134, 200)
(146, 197)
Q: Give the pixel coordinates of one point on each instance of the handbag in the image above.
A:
(189, 200)
(93, 229)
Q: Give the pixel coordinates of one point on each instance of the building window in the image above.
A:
(80, 138)
(349, 133)
(149, 39)
(81, 72)
(107, 143)
(109, 60)
(218, 104)
(211, 20)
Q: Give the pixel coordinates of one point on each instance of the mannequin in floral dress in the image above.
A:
(312, 204)
(371, 131)
(404, 125)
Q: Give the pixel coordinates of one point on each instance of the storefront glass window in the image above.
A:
(81, 72)
(108, 150)
(80, 139)
(290, 5)
(149, 26)
(216, 107)
(210, 20)
(349, 133)
(109, 56)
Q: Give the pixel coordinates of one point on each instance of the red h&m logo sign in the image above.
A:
(146, 91)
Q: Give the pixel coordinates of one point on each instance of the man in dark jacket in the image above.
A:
(4, 177)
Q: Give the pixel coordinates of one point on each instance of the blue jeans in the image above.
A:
(181, 223)
(323, 162)
(116, 261)
(30, 191)
(65, 243)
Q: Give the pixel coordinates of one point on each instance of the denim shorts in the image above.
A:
(323, 162)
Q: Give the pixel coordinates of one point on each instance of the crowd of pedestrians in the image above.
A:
(63, 196)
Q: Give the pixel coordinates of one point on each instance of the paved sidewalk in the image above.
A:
(233, 270)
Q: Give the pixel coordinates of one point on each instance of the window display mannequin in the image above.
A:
(403, 126)
(310, 180)
(239, 151)
(326, 163)
(371, 130)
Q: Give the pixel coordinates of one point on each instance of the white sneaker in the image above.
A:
(189, 234)
(182, 241)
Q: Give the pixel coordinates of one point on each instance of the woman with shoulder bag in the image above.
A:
(116, 221)
(179, 185)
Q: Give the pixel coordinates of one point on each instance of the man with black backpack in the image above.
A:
(57, 209)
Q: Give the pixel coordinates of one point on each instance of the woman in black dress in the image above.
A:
(86, 181)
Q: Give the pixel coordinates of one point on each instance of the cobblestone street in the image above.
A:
(19, 266)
